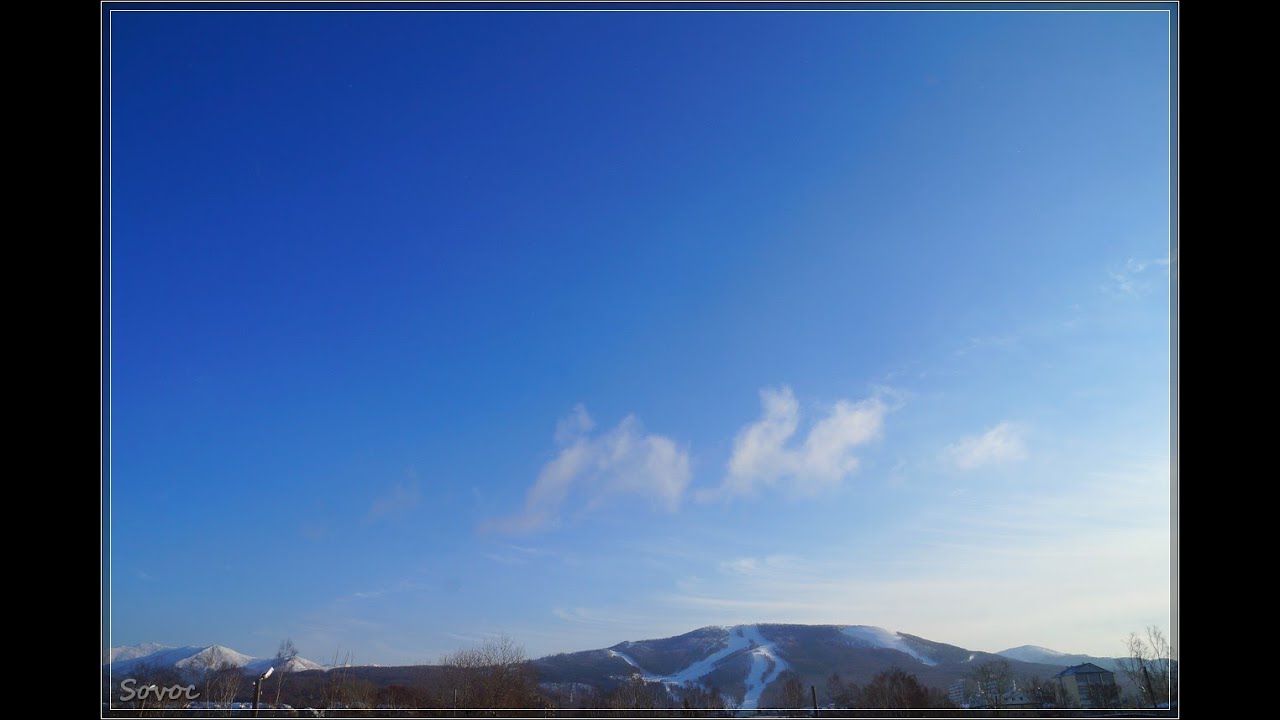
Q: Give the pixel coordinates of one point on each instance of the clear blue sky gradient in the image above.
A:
(364, 263)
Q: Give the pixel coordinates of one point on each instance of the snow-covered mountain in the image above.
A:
(129, 652)
(874, 637)
(743, 662)
(194, 660)
(1037, 654)
(766, 665)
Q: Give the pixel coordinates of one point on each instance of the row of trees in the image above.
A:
(497, 674)
(1148, 665)
(891, 689)
(638, 694)
(994, 685)
(1151, 668)
(153, 687)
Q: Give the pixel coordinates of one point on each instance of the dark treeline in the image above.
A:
(468, 686)
(467, 683)
(470, 683)
(498, 675)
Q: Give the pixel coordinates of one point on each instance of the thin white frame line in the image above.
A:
(627, 10)
(111, 328)
(111, 217)
(645, 2)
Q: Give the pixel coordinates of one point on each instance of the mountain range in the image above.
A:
(1037, 654)
(195, 659)
(741, 662)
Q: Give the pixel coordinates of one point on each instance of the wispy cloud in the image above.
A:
(574, 425)
(975, 344)
(1131, 279)
(508, 554)
(399, 498)
(1003, 443)
(758, 566)
(407, 584)
(763, 455)
(984, 573)
(595, 617)
(623, 461)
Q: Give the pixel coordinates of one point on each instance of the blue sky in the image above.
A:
(583, 327)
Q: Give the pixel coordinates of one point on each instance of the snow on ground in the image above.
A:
(197, 659)
(737, 641)
(650, 677)
(212, 657)
(766, 665)
(169, 657)
(1032, 653)
(295, 665)
(881, 638)
(132, 652)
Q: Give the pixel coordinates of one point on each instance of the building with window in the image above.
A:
(1088, 686)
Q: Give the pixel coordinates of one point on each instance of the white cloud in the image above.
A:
(975, 344)
(769, 565)
(574, 425)
(622, 461)
(401, 497)
(983, 572)
(761, 456)
(740, 566)
(1001, 444)
(1129, 280)
(1136, 266)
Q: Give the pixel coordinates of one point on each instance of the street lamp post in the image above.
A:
(257, 689)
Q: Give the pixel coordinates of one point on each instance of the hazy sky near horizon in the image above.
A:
(593, 326)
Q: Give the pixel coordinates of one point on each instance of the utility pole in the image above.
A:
(257, 689)
(813, 691)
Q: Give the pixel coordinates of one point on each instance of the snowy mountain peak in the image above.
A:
(129, 652)
(1037, 654)
(766, 662)
(870, 636)
(213, 657)
(196, 659)
(745, 662)
(1031, 651)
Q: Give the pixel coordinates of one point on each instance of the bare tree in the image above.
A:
(895, 688)
(336, 690)
(151, 688)
(793, 696)
(495, 674)
(840, 693)
(283, 661)
(989, 684)
(637, 694)
(577, 695)
(1150, 667)
(1103, 695)
(1042, 693)
(220, 680)
(224, 683)
(696, 700)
